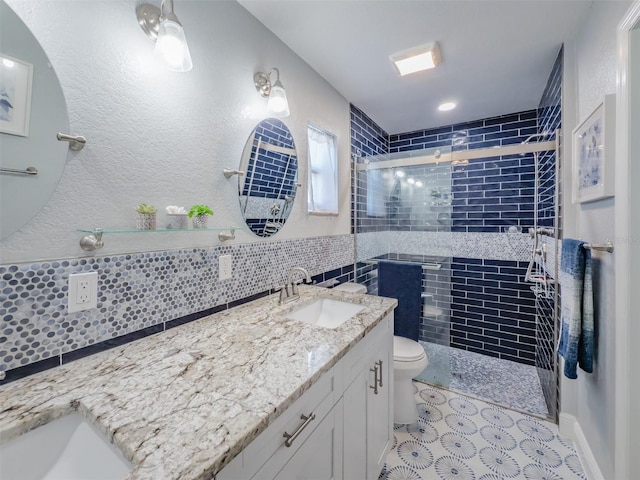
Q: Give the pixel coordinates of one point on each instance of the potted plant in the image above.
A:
(146, 217)
(199, 215)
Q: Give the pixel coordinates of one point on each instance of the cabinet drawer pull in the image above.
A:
(375, 378)
(290, 437)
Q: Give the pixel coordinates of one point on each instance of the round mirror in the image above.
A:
(32, 112)
(268, 187)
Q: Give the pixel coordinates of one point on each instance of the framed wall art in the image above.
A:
(594, 154)
(16, 79)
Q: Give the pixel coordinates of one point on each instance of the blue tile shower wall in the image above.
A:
(266, 173)
(493, 194)
(143, 293)
(489, 132)
(492, 309)
(490, 194)
(367, 139)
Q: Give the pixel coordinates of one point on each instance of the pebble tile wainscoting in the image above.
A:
(143, 293)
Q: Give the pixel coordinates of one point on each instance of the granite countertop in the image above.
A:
(182, 403)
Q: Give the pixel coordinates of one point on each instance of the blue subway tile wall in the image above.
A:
(143, 293)
(367, 139)
(492, 309)
(488, 194)
(486, 133)
(493, 194)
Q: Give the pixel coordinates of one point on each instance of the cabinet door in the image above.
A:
(320, 456)
(380, 412)
(355, 427)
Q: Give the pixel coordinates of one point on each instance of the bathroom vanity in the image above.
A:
(244, 393)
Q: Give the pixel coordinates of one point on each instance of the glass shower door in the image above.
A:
(402, 211)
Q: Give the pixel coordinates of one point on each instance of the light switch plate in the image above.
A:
(83, 291)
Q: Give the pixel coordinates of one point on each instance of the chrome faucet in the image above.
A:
(289, 291)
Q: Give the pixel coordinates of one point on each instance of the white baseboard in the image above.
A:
(569, 427)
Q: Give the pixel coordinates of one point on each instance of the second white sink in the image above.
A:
(68, 448)
(326, 312)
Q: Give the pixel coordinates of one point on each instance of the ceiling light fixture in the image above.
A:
(277, 104)
(162, 26)
(445, 107)
(416, 59)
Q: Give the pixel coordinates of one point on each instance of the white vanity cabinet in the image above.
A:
(368, 408)
(343, 429)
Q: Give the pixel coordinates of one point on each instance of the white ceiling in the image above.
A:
(497, 55)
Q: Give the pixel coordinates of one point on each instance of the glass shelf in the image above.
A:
(92, 240)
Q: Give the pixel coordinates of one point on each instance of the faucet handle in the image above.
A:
(284, 293)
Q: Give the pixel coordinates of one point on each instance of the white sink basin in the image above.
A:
(326, 312)
(68, 448)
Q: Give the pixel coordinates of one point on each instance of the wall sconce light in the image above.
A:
(277, 104)
(162, 25)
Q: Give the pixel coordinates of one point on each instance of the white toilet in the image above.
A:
(409, 359)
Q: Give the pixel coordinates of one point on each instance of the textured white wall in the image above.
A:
(160, 137)
(591, 398)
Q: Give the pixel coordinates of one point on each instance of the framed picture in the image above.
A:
(593, 154)
(16, 78)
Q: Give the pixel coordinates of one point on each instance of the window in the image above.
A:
(322, 191)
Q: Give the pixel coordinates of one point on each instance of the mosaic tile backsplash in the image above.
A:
(140, 290)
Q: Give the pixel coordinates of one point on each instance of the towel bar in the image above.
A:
(425, 266)
(601, 247)
(26, 171)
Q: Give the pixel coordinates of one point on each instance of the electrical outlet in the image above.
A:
(83, 291)
(225, 272)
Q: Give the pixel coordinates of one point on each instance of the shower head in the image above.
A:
(536, 135)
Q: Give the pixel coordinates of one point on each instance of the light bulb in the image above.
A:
(172, 47)
(278, 103)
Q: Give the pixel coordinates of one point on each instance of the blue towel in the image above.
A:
(577, 323)
(403, 281)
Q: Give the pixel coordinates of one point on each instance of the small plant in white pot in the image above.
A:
(146, 217)
(199, 215)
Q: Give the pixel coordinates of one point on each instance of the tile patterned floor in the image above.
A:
(459, 438)
(510, 384)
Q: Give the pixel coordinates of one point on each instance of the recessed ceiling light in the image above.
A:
(416, 59)
(399, 173)
(8, 63)
(411, 180)
(447, 106)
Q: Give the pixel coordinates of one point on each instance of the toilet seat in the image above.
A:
(407, 350)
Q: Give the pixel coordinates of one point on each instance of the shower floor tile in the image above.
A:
(467, 439)
(510, 384)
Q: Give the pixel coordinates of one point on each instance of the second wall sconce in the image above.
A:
(162, 25)
(277, 104)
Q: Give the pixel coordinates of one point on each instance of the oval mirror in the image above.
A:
(268, 187)
(32, 112)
